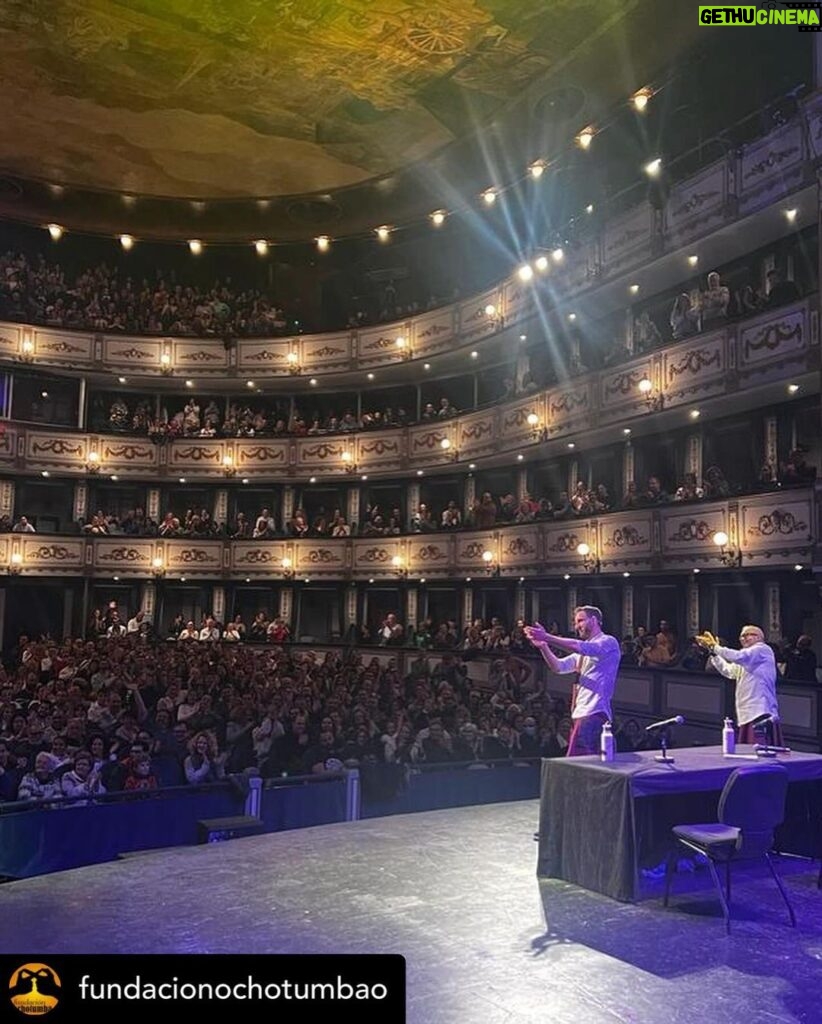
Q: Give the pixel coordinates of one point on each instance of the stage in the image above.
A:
(456, 893)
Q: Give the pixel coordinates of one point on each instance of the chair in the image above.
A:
(752, 804)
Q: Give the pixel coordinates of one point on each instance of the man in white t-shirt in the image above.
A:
(595, 657)
(135, 623)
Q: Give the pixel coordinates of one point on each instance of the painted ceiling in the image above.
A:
(237, 98)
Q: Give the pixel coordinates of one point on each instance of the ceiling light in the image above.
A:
(633, 289)
(438, 218)
(312, 479)
(626, 575)
(798, 567)
(489, 196)
(697, 571)
(572, 317)
(693, 260)
(127, 242)
(261, 246)
(323, 243)
(44, 394)
(313, 382)
(523, 337)
(558, 255)
(525, 272)
(114, 477)
(182, 479)
(653, 167)
(121, 380)
(520, 457)
(249, 384)
(419, 472)
(694, 414)
(585, 137)
(640, 98)
(383, 232)
(472, 465)
(571, 444)
(626, 430)
(370, 376)
(792, 389)
(589, 208)
(426, 366)
(56, 232)
(537, 169)
(195, 246)
(541, 263)
(45, 473)
(189, 383)
(475, 354)
(245, 479)
(790, 215)
(566, 576)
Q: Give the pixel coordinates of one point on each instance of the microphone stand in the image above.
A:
(664, 739)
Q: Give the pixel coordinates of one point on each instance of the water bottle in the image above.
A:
(728, 737)
(607, 743)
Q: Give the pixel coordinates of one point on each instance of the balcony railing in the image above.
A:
(774, 530)
(746, 180)
(773, 346)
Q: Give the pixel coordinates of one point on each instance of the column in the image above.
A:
(218, 603)
(287, 606)
(571, 603)
(628, 467)
(628, 610)
(629, 331)
(80, 506)
(148, 602)
(770, 445)
(352, 505)
(693, 455)
(350, 608)
(467, 606)
(522, 482)
(519, 602)
(153, 504)
(412, 495)
(81, 405)
(411, 610)
(470, 489)
(523, 366)
(692, 624)
(288, 505)
(220, 511)
(773, 611)
(573, 476)
(7, 498)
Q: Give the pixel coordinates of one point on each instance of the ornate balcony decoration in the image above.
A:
(287, 566)
(166, 366)
(539, 432)
(93, 461)
(26, 348)
(15, 566)
(348, 461)
(399, 567)
(293, 361)
(158, 567)
(229, 469)
(490, 563)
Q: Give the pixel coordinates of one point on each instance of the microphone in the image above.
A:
(676, 720)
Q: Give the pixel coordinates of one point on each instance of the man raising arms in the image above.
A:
(595, 658)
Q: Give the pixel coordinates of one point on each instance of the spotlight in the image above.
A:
(195, 246)
(633, 289)
(261, 246)
(323, 243)
(585, 137)
(56, 232)
(127, 242)
(541, 263)
(438, 217)
(537, 169)
(525, 272)
(653, 167)
(790, 215)
(383, 232)
(641, 97)
(693, 260)
(489, 196)
(558, 255)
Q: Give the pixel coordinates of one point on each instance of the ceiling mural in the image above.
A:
(223, 98)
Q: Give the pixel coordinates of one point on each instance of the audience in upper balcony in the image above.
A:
(795, 471)
(23, 526)
(646, 334)
(714, 484)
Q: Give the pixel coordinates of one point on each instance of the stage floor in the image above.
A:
(454, 892)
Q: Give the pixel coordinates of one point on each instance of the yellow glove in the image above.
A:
(706, 639)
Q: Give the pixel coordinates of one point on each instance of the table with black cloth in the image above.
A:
(600, 823)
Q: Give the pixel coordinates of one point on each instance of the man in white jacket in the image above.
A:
(753, 669)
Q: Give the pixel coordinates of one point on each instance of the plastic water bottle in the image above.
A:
(607, 743)
(728, 737)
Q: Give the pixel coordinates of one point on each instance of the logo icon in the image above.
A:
(35, 989)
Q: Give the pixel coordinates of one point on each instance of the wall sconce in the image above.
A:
(538, 433)
(494, 315)
(15, 564)
(165, 363)
(590, 560)
(229, 469)
(489, 563)
(348, 462)
(157, 566)
(653, 399)
(727, 555)
(403, 347)
(27, 348)
(400, 568)
(93, 462)
(293, 360)
(449, 449)
(287, 567)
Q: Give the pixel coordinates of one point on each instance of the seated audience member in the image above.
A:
(39, 784)
(278, 632)
(84, 779)
(689, 490)
(801, 660)
(391, 633)
(714, 302)
(715, 485)
(203, 763)
(139, 775)
(23, 526)
(189, 632)
(654, 494)
(796, 472)
(684, 318)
